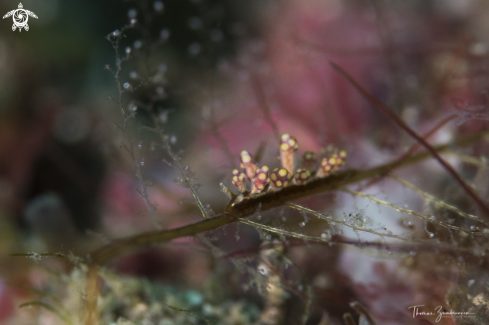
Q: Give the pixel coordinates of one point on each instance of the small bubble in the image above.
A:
(35, 256)
(127, 85)
(132, 13)
(194, 48)
(470, 282)
(140, 145)
(163, 116)
(180, 202)
(324, 236)
(141, 162)
(116, 33)
(473, 228)
(478, 49)
(207, 309)
(302, 224)
(158, 5)
(164, 34)
(258, 217)
(173, 139)
(133, 107)
(433, 217)
(160, 91)
(195, 23)
(133, 75)
(138, 44)
(431, 235)
(128, 50)
(133, 21)
(162, 68)
(268, 237)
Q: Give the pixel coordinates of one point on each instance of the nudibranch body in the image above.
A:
(260, 180)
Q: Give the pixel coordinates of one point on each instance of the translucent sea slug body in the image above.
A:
(261, 180)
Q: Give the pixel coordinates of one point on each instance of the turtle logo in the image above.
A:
(20, 16)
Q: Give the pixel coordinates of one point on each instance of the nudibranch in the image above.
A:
(253, 180)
